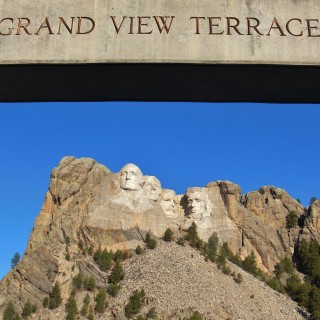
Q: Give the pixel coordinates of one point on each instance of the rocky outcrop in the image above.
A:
(87, 204)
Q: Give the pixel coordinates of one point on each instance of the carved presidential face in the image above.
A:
(131, 178)
(168, 202)
(152, 187)
(196, 204)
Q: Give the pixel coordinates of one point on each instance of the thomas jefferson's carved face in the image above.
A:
(131, 178)
(168, 202)
(196, 204)
(152, 187)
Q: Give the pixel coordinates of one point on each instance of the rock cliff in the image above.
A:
(87, 204)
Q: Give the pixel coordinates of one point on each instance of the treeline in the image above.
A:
(304, 290)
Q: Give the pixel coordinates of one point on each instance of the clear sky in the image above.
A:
(183, 144)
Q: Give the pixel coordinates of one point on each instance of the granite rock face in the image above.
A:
(86, 203)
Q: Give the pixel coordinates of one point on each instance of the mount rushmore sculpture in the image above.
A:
(87, 203)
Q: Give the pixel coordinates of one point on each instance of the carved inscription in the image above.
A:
(162, 25)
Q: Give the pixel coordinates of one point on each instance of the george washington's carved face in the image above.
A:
(131, 178)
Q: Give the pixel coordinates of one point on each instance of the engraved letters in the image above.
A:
(162, 25)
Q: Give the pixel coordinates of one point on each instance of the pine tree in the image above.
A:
(276, 284)
(312, 200)
(28, 309)
(120, 255)
(101, 301)
(168, 235)
(89, 283)
(285, 265)
(55, 297)
(117, 273)
(71, 308)
(85, 307)
(314, 305)
(192, 236)
(77, 281)
(292, 220)
(249, 264)
(211, 247)
(10, 312)
(293, 287)
(135, 303)
(103, 259)
(113, 289)
(224, 254)
(15, 260)
(90, 314)
(151, 243)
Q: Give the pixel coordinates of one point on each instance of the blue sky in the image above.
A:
(183, 144)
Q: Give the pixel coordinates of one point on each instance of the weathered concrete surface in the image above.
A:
(224, 31)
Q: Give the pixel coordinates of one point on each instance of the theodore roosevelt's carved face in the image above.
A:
(152, 187)
(168, 202)
(196, 203)
(131, 178)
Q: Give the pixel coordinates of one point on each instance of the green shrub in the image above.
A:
(235, 258)
(90, 251)
(196, 316)
(276, 284)
(226, 270)
(113, 289)
(103, 259)
(89, 283)
(45, 302)
(80, 244)
(180, 241)
(314, 305)
(139, 250)
(151, 243)
(293, 286)
(152, 314)
(168, 235)
(28, 309)
(238, 279)
(67, 256)
(284, 266)
(77, 281)
(91, 314)
(10, 312)
(85, 307)
(292, 220)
